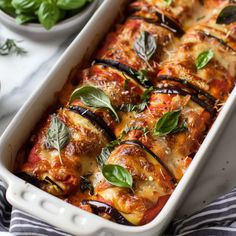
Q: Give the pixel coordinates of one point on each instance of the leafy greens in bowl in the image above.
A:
(26, 19)
(46, 12)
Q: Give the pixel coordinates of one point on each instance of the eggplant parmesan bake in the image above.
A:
(126, 128)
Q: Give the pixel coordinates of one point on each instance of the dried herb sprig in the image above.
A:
(10, 47)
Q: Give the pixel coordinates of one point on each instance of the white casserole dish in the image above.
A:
(53, 210)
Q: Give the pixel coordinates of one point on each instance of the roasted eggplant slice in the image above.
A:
(123, 68)
(190, 86)
(139, 144)
(93, 119)
(101, 207)
(175, 90)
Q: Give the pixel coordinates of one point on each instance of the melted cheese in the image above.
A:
(174, 57)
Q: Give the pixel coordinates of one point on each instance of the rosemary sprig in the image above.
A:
(10, 47)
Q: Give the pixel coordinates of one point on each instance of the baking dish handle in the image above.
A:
(52, 210)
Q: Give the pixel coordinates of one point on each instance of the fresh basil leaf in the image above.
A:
(70, 4)
(5, 4)
(168, 1)
(179, 129)
(128, 129)
(106, 152)
(93, 97)
(168, 123)
(48, 14)
(103, 156)
(141, 75)
(7, 7)
(138, 107)
(26, 5)
(22, 19)
(117, 176)
(145, 46)
(203, 59)
(133, 107)
(58, 135)
(227, 15)
(146, 95)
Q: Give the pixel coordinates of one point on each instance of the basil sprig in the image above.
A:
(58, 135)
(93, 97)
(227, 15)
(203, 59)
(169, 123)
(118, 176)
(145, 46)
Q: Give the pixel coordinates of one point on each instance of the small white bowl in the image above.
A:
(61, 29)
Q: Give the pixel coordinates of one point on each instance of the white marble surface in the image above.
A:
(21, 75)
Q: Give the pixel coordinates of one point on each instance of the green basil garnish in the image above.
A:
(93, 97)
(227, 15)
(141, 75)
(203, 59)
(169, 123)
(106, 152)
(6, 6)
(117, 176)
(22, 19)
(168, 1)
(145, 46)
(127, 129)
(26, 5)
(48, 14)
(71, 4)
(141, 106)
(58, 135)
